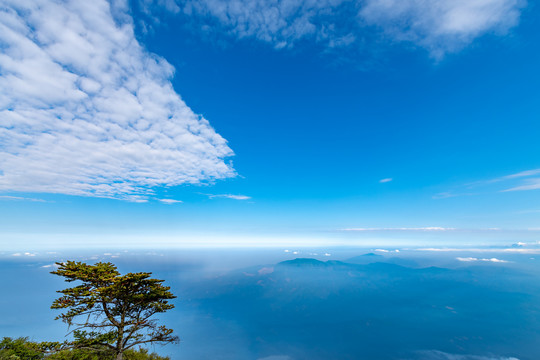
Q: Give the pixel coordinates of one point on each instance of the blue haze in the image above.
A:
(269, 304)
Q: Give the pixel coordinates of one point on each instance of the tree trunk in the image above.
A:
(119, 356)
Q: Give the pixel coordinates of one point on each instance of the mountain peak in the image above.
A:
(304, 262)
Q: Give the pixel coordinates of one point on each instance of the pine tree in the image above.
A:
(112, 312)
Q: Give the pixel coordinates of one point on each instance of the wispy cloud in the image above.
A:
(450, 194)
(439, 26)
(280, 23)
(24, 254)
(520, 181)
(438, 229)
(19, 198)
(469, 259)
(529, 184)
(385, 180)
(51, 266)
(521, 174)
(523, 180)
(527, 180)
(169, 201)
(517, 250)
(86, 110)
(428, 228)
(229, 196)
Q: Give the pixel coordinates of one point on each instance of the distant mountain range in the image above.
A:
(364, 309)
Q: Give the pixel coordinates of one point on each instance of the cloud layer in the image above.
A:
(85, 110)
(440, 26)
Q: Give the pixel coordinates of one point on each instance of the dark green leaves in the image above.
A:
(111, 310)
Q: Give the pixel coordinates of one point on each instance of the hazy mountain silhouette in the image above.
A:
(310, 309)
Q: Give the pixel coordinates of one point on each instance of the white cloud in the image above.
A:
(19, 198)
(449, 194)
(523, 180)
(520, 181)
(469, 259)
(444, 25)
(440, 26)
(382, 181)
(229, 196)
(51, 265)
(386, 251)
(529, 184)
(280, 23)
(528, 181)
(428, 228)
(169, 201)
(516, 250)
(520, 174)
(85, 110)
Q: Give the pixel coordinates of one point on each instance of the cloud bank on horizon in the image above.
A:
(440, 26)
(85, 110)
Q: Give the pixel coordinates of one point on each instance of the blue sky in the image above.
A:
(159, 123)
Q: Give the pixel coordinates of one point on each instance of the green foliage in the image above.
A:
(81, 354)
(24, 349)
(20, 348)
(110, 312)
(142, 354)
